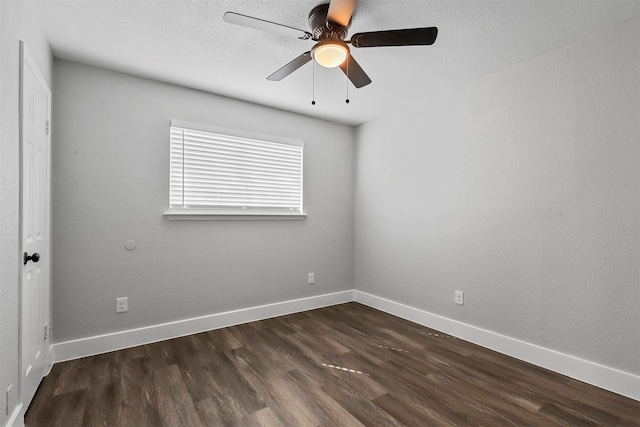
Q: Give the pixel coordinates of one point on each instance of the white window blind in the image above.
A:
(234, 175)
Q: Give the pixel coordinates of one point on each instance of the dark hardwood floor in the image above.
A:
(346, 365)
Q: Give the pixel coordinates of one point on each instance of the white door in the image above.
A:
(35, 116)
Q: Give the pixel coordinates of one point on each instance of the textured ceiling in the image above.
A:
(188, 43)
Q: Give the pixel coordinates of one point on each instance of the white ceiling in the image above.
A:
(186, 42)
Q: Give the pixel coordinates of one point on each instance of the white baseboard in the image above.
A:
(17, 417)
(601, 376)
(90, 346)
(592, 373)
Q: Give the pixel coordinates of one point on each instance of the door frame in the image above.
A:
(27, 60)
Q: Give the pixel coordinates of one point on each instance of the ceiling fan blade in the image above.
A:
(406, 37)
(261, 24)
(340, 11)
(355, 73)
(290, 67)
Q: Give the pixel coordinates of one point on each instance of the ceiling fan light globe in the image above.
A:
(330, 54)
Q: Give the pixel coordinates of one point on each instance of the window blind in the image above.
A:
(234, 174)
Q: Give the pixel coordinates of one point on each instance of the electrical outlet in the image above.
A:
(459, 298)
(122, 305)
(311, 279)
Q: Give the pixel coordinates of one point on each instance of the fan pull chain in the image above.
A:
(313, 84)
(347, 100)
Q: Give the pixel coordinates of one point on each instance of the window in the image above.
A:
(214, 175)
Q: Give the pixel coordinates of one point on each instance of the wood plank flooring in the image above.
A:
(345, 365)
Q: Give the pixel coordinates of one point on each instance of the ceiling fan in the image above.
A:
(329, 23)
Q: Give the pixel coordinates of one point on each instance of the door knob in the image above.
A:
(35, 257)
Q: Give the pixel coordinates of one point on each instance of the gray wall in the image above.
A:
(17, 22)
(521, 190)
(110, 184)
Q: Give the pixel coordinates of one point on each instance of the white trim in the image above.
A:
(611, 379)
(90, 346)
(50, 360)
(17, 417)
(207, 215)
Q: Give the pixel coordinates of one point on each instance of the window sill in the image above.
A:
(195, 215)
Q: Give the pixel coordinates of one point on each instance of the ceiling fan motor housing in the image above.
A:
(323, 29)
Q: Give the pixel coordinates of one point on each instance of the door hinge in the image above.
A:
(46, 332)
(47, 127)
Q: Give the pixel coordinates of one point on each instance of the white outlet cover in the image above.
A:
(459, 298)
(122, 305)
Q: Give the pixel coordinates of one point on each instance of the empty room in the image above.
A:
(305, 213)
